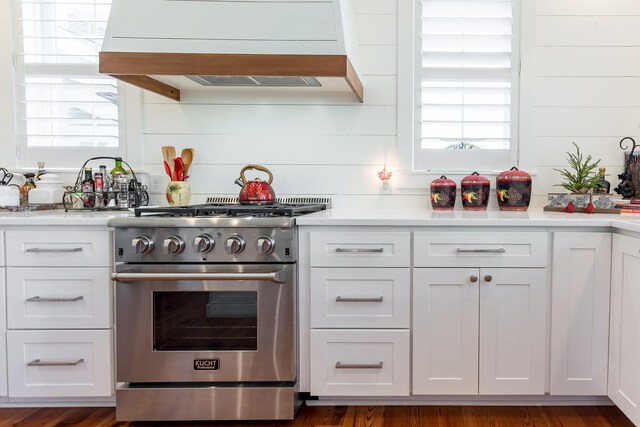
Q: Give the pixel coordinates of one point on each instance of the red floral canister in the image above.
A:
(475, 192)
(443, 194)
(513, 190)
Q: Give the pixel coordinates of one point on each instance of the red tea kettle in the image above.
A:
(256, 192)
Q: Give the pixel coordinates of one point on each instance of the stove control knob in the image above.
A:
(203, 244)
(265, 245)
(234, 245)
(173, 245)
(142, 245)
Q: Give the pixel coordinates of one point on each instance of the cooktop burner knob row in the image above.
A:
(265, 245)
(173, 245)
(234, 245)
(203, 244)
(142, 245)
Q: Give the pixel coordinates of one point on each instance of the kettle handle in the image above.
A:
(256, 167)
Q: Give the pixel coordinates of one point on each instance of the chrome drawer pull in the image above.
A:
(45, 299)
(359, 251)
(52, 250)
(358, 365)
(482, 251)
(351, 299)
(38, 362)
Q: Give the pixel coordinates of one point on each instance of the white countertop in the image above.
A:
(367, 217)
(60, 217)
(459, 218)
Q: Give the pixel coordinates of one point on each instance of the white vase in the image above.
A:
(178, 193)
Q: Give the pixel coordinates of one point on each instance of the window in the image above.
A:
(66, 111)
(465, 85)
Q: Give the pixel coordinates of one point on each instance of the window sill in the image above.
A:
(421, 180)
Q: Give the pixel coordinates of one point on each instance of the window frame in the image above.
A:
(65, 158)
(411, 157)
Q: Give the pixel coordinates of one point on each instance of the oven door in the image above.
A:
(205, 323)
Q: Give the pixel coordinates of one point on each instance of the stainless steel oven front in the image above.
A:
(206, 323)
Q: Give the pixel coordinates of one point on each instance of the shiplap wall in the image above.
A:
(581, 82)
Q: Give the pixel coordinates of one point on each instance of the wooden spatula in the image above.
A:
(187, 159)
(169, 154)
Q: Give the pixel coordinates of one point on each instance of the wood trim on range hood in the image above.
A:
(136, 67)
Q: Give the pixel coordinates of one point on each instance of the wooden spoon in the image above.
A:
(169, 154)
(187, 159)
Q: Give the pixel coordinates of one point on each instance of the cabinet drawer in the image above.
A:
(360, 298)
(59, 363)
(2, 258)
(49, 248)
(480, 249)
(360, 249)
(359, 363)
(58, 298)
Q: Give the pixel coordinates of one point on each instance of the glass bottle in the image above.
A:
(118, 167)
(133, 194)
(105, 178)
(88, 188)
(123, 193)
(603, 186)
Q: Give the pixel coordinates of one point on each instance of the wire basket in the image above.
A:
(75, 199)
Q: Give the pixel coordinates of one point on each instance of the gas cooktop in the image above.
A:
(232, 210)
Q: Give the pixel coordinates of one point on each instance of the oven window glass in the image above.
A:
(184, 321)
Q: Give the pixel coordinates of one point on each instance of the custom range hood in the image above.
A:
(167, 45)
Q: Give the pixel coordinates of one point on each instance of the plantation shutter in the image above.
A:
(63, 103)
(466, 75)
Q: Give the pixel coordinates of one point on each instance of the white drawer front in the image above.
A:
(360, 249)
(68, 248)
(482, 249)
(60, 363)
(2, 258)
(58, 298)
(359, 363)
(360, 298)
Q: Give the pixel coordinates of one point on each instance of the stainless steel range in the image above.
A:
(206, 312)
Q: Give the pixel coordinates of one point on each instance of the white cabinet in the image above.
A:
(58, 298)
(359, 362)
(580, 289)
(58, 248)
(360, 249)
(60, 363)
(3, 337)
(59, 321)
(359, 292)
(360, 298)
(479, 331)
(624, 346)
(479, 327)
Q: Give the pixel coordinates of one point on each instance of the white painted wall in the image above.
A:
(581, 82)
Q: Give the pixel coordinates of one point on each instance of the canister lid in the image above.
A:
(513, 174)
(443, 181)
(475, 178)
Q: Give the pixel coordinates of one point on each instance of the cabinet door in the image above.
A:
(580, 287)
(624, 348)
(445, 331)
(3, 336)
(512, 331)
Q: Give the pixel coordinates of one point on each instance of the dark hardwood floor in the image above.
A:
(374, 416)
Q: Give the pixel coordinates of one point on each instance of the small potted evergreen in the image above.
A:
(579, 179)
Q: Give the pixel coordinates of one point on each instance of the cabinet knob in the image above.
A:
(488, 278)
(473, 279)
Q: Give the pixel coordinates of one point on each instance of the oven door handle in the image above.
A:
(276, 276)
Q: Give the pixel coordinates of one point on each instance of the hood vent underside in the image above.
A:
(271, 81)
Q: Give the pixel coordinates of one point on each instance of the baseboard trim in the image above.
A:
(545, 400)
(7, 402)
